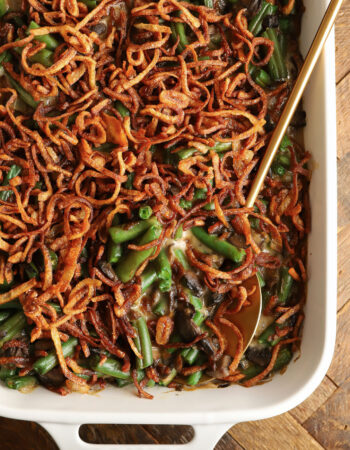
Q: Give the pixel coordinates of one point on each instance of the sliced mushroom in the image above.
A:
(53, 378)
(192, 282)
(216, 298)
(222, 367)
(258, 355)
(270, 21)
(107, 269)
(188, 330)
(253, 6)
(184, 324)
(208, 347)
(100, 28)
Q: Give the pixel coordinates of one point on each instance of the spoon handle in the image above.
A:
(294, 98)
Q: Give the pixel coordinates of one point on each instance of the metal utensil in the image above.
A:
(247, 320)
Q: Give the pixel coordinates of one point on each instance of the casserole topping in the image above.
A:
(130, 133)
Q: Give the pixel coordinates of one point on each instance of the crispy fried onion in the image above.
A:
(88, 140)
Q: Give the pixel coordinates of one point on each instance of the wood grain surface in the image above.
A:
(323, 420)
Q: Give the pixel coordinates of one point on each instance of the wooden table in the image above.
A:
(322, 421)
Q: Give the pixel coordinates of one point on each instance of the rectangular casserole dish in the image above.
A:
(213, 411)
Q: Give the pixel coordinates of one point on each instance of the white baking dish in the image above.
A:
(209, 409)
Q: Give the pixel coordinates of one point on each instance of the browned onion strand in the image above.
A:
(68, 190)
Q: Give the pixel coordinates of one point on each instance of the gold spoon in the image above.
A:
(248, 318)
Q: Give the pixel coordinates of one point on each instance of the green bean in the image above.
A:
(23, 94)
(285, 286)
(285, 143)
(137, 341)
(218, 147)
(255, 25)
(3, 7)
(124, 382)
(285, 24)
(252, 371)
(185, 204)
(278, 169)
(161, 307)
(54, 259)
(181, 257)
(186, 153)
(19, 383)
(12, 173)
(83, 376)
(145, 212)
(260, 279)
(130, 231)
(284, 357)
(165, 381)
(151, 383)
(194, 378)
(219, 246)
(126, 268)
(5, 287)
(129, 181)
(148, 277)
(84, 271)
(198, 318)
(284, 160)
(116, 220)
(178, 30)
(276, 65)
(47, 363)
(173, 339)
(262, 78)
(283, 41)
(123, 110)
(195, 301)
(114, 252)
(209, 206)
(190, 355)
(145, 341)
(4, 315)
(6, 372)
(56, 307)
(165, 285)
(50, 41)
(178, 233)
(110, 367)
(91, 4)
(13, 304)
(221, 146)
(5, 57)
(44, 56)
(163, 266)
(107, 147)
(12, 327)
(265, 336)
(31, 270)
(200, 194)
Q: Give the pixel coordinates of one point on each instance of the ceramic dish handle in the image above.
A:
(67, 438)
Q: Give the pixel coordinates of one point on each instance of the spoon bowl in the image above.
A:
(246, 320)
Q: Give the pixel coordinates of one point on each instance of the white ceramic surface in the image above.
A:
(209, 409)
